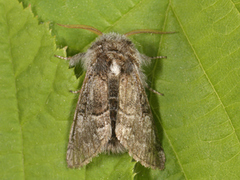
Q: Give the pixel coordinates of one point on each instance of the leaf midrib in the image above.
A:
(154, 70)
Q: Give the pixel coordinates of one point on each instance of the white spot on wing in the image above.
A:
(115, 68)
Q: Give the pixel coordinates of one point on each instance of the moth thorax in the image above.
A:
(115, 68)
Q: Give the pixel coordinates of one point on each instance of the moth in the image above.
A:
(113, 113)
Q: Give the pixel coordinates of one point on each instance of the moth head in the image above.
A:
(96, 31)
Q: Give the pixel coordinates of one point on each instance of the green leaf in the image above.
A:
(197, 118)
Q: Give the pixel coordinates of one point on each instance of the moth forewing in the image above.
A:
(113, 112)
(135, 126)
(91, 127)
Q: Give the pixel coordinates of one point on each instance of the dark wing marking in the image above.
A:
(91, 128)
(134, 126)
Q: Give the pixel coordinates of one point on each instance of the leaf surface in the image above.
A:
(197, 118)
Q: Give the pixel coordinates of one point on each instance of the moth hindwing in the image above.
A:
(113, 113)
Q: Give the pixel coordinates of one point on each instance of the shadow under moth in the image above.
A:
(113, 113)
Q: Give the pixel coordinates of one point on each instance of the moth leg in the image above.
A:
(147, 60)
(60, 57)
(159, 57)
(75, 92)
(154, 91)
(74, 60)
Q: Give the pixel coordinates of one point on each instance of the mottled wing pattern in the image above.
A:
(134, 126)
(91, 128)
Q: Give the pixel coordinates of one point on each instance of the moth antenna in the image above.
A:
(141, 31)
(89, 28)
